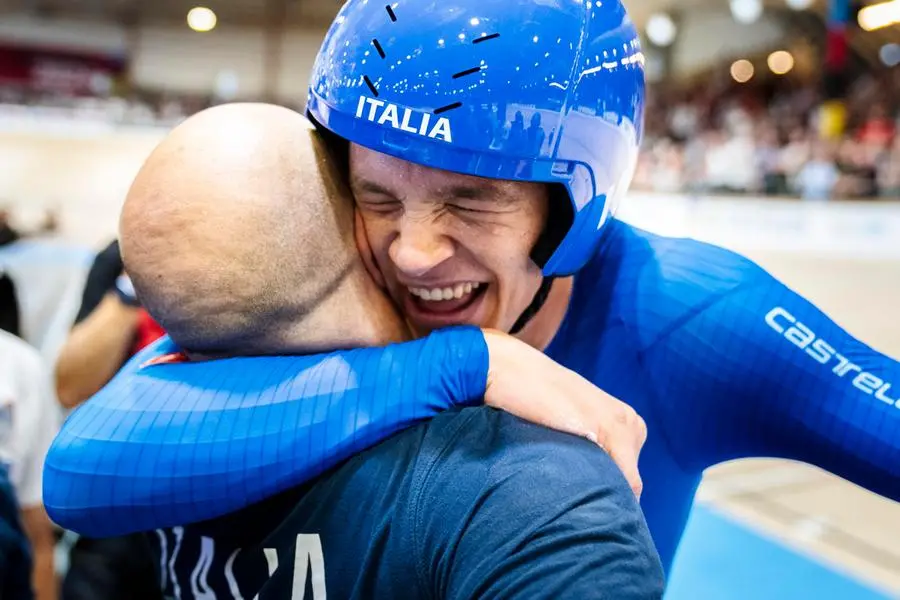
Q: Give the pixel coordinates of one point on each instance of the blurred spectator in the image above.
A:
(29, 419)
(769, 163)
(857, 162)
(15, 555)
(8, 235)
(795, 154)
(889, 171)
(819, 176)
(878, 129)
(109, 329)
(10, 315)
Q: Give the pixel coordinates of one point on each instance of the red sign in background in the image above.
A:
(60, 71)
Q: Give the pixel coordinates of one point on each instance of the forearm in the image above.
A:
(94, 351)
(44, 579)
(40, 536)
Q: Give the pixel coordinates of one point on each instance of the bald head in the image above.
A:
(238, 235)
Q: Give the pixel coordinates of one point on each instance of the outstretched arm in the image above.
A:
(757, 370)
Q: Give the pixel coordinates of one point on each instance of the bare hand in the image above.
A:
(525, 382)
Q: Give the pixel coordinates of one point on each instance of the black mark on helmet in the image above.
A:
(444, 109)
(485, 38)
(371, 85)
(466, 72)
(378, 48)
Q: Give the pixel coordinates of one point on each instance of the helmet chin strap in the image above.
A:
(540, 297)
(559, 220)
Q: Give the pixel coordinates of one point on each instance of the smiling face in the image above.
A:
(452, 249)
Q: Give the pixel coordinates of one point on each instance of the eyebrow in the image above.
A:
(468, 192)
(486, 190)
(369, 186)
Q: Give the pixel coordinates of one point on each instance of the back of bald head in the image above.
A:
(236, 227)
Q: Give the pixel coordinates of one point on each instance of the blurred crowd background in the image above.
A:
(766, 140)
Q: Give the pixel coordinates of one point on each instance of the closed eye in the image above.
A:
(469, 208)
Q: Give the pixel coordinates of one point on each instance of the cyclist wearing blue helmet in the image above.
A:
(488, 150)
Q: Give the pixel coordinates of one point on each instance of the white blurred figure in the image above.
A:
(819, 176)
(889, 171)
(731, 164)
(795, 154)
(668, 171)
(684, 120)
(29, 419)
(768, 160)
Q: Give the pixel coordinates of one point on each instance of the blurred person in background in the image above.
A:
(109, 328)
(857, 163)
(15, 555)
(878, 129)
(819, 176)
(768, 157)
(889, 172)
(668, 172)
(10, 314)
(8, 234)
(29, 419)
(795, 154)
(730, 161)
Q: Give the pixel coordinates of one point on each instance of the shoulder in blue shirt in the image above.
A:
(473, 504)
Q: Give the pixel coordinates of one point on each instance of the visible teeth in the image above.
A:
(447, 293)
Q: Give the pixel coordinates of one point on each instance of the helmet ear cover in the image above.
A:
(560, 216)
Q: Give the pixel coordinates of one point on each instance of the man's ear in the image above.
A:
(365, 251)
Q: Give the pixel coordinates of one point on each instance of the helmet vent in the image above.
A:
(378, 48)
(466, 72)
(371, 85)
(444, 109)
(485, 38)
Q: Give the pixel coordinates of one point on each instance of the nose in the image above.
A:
(419, 247)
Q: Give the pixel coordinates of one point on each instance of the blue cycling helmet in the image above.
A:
(534, 90)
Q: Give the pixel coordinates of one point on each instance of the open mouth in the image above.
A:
(437, 307)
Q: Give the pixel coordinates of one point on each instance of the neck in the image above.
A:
(541, 329)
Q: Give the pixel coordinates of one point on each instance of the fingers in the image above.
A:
(623, 438)
(626, 458)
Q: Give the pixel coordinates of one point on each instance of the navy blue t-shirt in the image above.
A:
(473, 504)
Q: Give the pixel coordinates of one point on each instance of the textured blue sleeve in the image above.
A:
(171, 444)
(534, 514)
(743, 366)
